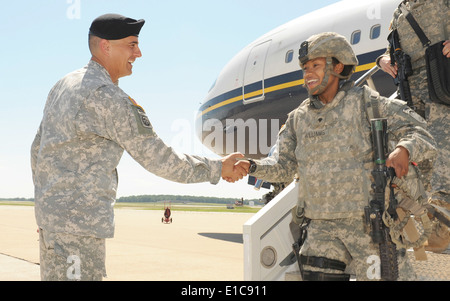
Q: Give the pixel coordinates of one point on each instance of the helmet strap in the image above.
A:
(327, 70)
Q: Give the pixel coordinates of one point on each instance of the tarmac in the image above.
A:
(197, 246)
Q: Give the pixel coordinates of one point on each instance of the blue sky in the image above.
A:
(185, 44)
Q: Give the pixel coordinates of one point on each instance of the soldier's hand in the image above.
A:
(230, 171)
(385, 64)
(245, 164)
(446, 50)
(399, 160)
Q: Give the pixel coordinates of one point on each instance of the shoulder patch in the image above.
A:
(413, 114)
(141, 117)
(136, 104)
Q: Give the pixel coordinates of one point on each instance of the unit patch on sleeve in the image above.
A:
(142, 120)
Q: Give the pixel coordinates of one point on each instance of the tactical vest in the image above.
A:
(334, 154)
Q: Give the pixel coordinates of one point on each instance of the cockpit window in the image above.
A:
(289, 56)
(212, 85)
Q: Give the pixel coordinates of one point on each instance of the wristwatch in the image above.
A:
(252, 167)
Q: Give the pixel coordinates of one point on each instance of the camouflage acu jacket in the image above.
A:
(88, 122)
(433, 16)
(330, 149)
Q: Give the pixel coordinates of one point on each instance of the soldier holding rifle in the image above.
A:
(327, 142)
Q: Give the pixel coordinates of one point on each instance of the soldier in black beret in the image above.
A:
(88, 123)
(115, 27)
(114, 44)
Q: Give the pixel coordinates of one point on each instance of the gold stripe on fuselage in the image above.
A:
(272, 89)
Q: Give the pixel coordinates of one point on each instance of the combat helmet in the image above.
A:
(329, 45)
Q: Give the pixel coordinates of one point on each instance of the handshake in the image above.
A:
(233, 168)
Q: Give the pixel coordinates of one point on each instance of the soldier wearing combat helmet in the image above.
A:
(88, 122)
(326, 141)
(329, 46)
(433, 19)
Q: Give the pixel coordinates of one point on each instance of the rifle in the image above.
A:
(376, 209)
(404, 68)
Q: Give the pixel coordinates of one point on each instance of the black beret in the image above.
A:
(115, 27)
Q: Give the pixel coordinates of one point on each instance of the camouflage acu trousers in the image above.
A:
(67, 257)
(345, 240)
(437, 117)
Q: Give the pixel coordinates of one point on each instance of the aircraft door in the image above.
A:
(253, 84)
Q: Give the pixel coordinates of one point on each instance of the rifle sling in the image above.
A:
(410, 18)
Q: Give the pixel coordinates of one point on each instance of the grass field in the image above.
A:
(196, 207)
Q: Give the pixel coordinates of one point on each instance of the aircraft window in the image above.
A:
(375, 31)
(289, 56)
(356, 37)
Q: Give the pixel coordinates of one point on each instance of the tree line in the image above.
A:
(162, 198)
(178, 199)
